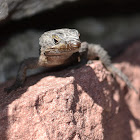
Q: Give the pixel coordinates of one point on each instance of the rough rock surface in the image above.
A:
(86, 103)
(126, 124)
(68, 106)
(21, 8)
(18, 9)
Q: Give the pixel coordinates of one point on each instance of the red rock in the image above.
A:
(81, 104)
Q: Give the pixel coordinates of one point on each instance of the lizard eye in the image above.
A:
(55, 41)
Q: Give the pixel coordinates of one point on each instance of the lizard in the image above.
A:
(62, 47)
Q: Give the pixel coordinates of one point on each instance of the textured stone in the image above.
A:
(21, 8)
(3, 9)
(126, 124)
(68, 106)
(84, 103)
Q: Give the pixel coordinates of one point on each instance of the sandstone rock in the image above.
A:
(68, 106)
(85, 103)
(126, 124)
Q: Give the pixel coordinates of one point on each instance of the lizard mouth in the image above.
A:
(64, 48)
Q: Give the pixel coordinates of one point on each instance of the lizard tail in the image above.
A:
(97, 50)
(114, 71)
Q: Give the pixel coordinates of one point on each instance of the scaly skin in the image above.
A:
(63, 47)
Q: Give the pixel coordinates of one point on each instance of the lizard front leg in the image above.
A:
(83, 51)
(30, 63)
(95, 50)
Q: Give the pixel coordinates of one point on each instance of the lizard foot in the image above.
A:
(89, 61)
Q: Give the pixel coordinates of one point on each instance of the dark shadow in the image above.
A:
(118, 126)
(116, 50)
(133, 52)
(64, 14)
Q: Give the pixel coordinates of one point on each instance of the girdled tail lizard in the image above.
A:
(63, 47)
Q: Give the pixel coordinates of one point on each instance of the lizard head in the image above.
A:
(60, 41)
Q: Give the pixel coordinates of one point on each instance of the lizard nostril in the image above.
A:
(46, 52)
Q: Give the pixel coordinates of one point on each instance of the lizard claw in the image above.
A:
(89, 61)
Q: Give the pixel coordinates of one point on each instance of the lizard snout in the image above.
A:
(74, 44)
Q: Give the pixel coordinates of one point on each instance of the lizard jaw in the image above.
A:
(64, 48)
